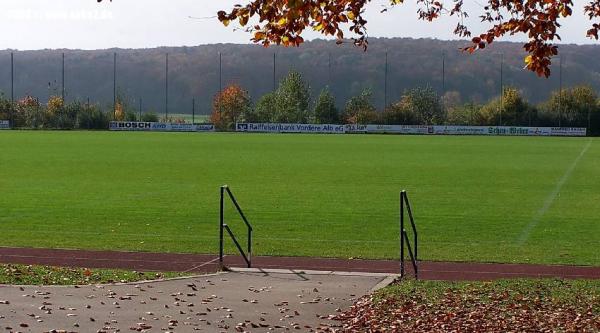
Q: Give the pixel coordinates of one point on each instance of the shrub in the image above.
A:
(466, 114)
(288, 104)
(360, 110)
(150, 117)
(400, 114)
(230, 106)
(28, 112)
(325, 111)
(91, 117)
(264, 111)
(119, 113)
(426, 105)
(292, 100)
(5, 107)
(573, 107)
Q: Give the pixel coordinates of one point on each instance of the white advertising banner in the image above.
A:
(158, 127)
(508, 131)
(518, 131)
(491, 130)
(459, 130)
(411, 129)
(398, 129)
(289, 128)
(356, 128)
(568, 131)
(4, 124)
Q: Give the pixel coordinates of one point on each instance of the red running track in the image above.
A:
(204, 263)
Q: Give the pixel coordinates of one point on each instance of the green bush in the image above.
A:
(400, 113)
(264, 111)
(292, 100)
(425, 103)
(290, 103)
(325, 111)
(131, 116)
(465, 114)
(360, 110)
(28, 113)
(4, 107)
(91, 117)
(150, 117)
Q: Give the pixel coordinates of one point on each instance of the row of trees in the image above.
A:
(28, 112)
(574, 107)
(290, 103)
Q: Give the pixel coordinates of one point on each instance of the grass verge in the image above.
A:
(50, 275)
(523, 305)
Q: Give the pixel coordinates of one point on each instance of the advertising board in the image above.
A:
(289, 128)
(159, 127)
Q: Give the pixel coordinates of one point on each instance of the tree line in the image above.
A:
(28, 112)
(577, 106)
(291, 102)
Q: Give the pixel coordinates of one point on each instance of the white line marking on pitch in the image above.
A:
(551, 197)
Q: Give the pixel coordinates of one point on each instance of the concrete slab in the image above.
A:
(250, 301)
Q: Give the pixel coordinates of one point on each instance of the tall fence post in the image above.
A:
(220, 98)
(385, 82)
(167, 87)
(402, 234)
(63, 79)
(221, 222)
(12, 89)
(114, 86)
(274, 71)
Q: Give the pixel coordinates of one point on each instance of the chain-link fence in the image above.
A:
(144, 81)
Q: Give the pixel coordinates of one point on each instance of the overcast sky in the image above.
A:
(85, 24)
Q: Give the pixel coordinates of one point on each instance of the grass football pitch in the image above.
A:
(490, 199)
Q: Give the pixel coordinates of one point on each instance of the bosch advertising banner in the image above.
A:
(4, 124)
(158, 127)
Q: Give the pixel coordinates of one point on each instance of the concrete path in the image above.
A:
(246, 301)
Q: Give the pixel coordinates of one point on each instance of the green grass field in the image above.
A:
(492, 199)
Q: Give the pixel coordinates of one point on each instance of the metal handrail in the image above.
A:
(412, 222)
(237, 244)
(247, 257)
(404, 236)
(239, 209)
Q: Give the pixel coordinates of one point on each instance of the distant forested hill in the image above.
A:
(194, 71)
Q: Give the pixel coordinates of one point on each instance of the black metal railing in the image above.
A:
(404, 240)
(222, 226)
